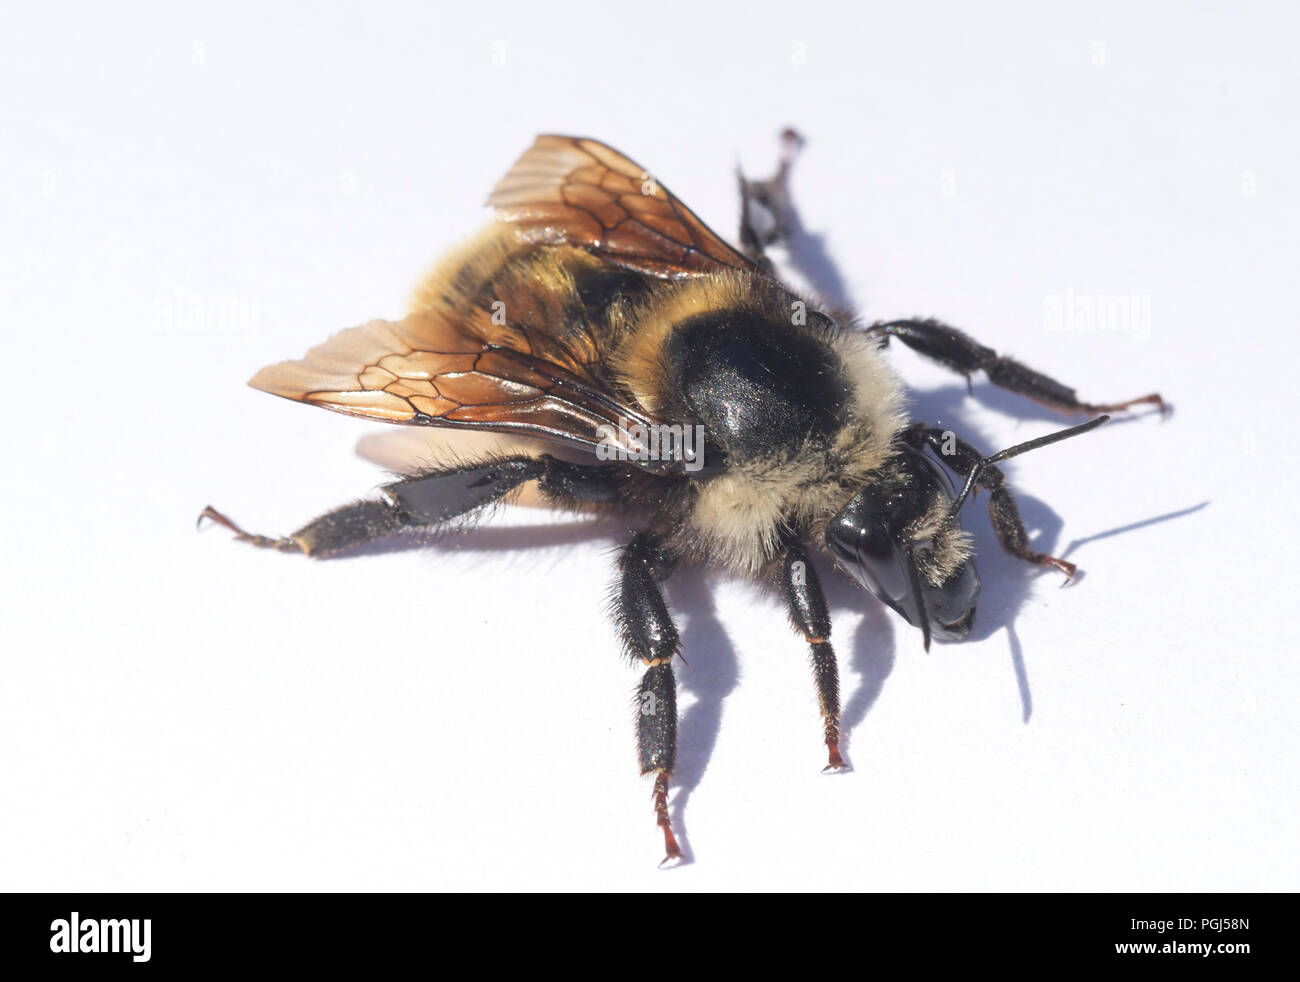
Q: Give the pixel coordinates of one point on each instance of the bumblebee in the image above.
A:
(641, 365)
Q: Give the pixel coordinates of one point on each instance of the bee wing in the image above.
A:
(434, 370)
(439, 367)
(580, 192)
(413, 450)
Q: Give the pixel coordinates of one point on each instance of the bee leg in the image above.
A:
(432, 499)
(960, 457)
(964, 355)
(284, 544)
(650, 637)
(806, 605)
(765, 205)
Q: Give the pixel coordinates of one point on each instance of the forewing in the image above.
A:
(456, 368)
(428, 369)
(580, 192)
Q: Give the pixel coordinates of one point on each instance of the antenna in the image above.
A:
(1016, 451)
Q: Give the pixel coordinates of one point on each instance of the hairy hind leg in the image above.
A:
(432, 499)
(765, 205)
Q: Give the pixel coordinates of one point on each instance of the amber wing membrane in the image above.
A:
(580, 192)
(458, 367)
(427, 369)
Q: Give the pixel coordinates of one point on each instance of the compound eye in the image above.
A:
(865, 549)
(884, 577)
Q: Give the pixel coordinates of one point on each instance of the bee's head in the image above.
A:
(899, 539)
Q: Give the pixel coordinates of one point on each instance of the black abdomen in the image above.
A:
(757, 387)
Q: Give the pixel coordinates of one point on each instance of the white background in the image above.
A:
(182, 712)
